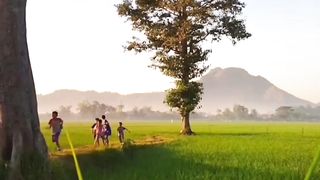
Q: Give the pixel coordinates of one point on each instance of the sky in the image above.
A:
(78, 44)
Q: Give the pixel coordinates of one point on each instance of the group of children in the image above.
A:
(101, 129)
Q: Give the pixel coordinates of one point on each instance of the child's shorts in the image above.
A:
(55, 137)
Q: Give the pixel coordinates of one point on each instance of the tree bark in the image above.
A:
(186, 128)
(21, 140)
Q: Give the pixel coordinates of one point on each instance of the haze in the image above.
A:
(77, 44)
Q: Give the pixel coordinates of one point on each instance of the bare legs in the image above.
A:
(97, 140)
(106, 140)
(121, 138)
(55, 139)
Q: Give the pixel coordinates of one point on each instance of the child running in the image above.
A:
(56, 124)
(99, 132)
(121, 130)
(107, 130)
(93, 128)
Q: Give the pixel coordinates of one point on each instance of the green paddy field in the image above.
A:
(221, 150)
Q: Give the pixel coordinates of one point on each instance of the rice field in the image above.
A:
(223, 150)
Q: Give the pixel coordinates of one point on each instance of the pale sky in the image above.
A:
(77, 44)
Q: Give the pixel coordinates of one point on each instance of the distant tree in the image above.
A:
(145, 111)
(227, 114)
(240, 112)
(175, 31)
(94, 109)
(120, 108)
(253, 114)
(65, 111)
(110, 109)
(284, 112)
(135, 111)
(120, 114)
(100, 108)
(85, 109)
(218, 115)
(219, 111)
(308, 112)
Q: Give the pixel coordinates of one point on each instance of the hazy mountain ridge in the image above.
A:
(222, 88)
(226, 87)
(52, 101)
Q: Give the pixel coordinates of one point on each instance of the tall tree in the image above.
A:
(22, 144)
(175, 31)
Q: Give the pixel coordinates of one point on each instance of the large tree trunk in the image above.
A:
(22, 145)
(186, 128)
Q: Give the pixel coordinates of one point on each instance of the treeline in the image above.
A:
(282, 113)
(89, 110)
(238, 112)
(301, 113)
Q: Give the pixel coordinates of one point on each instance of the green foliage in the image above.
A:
(128, 147)
(174, 32)
(128, 143)
(185, 97)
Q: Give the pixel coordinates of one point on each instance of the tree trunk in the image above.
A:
(186, 128)
(22, 145)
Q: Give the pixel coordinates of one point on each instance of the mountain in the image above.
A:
(226, 87)
(222, 88)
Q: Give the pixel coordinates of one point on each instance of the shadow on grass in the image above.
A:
(157, 162)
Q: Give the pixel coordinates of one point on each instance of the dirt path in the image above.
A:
(153, 140)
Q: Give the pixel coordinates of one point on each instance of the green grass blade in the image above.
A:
(313, 165)
(74, 157)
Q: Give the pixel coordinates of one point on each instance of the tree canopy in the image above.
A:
(175, 31)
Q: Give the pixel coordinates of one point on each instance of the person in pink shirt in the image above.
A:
(99, 132)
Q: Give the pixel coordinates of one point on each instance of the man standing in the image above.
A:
(56, 124)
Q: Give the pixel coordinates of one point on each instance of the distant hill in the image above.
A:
(47, 103)
(222, 88)
(226, 87)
